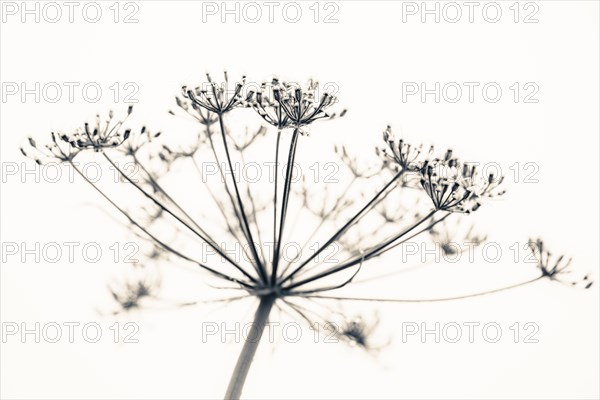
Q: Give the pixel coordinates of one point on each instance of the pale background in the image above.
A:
(368, 54)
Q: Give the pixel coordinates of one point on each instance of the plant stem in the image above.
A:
(344, 228)
(212, 244)
(236, 383)
(275, 199)
(240, 203)
(466, 296)
(367, 255)
(287, 187)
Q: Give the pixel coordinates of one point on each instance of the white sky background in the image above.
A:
(368, 54)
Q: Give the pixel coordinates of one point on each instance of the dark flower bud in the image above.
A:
(448, 155)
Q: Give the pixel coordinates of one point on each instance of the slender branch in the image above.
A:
(275, 197)
(168, 197)
(427, 228)
(322, 221)
(217, 202)
(240, 203)
(425, 300)
(230, 196)
(344, 228)
(254, 214)
(158, 203)
(157, 240)
(224, 179)
(221, 208)
(363, 257)
(287, 186)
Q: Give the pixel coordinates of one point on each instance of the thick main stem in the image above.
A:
(236, 383)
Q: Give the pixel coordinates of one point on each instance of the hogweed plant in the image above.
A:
(410, 191)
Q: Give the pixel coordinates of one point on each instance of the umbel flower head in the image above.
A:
(555, 268)
(64, 147)
(137, 141)
(301, 106)
(268, 108)
(58, 150)
(130, 295)
(103, 135)
(217, 98)
(457, 187)
(401, 156)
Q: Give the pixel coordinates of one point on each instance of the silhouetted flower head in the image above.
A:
(457, 187)
(401, 156)
(202, 115)
(555, 268)
(448, 194)
(130, 295)
(268, 108)
(58, 150)
(301, 105)
(358, 332)
(138, 140)
(101, 136)
(217, 98)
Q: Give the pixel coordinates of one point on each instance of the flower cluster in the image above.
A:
(280, 104)
(270, 109)
(130, 295)
(200, 114)
(555, 268)
(401, 156)
(65, 147)
(57, 149)
(457, 187)
(101, 136)
(218, 98)
(301, 105)
(137, 141)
